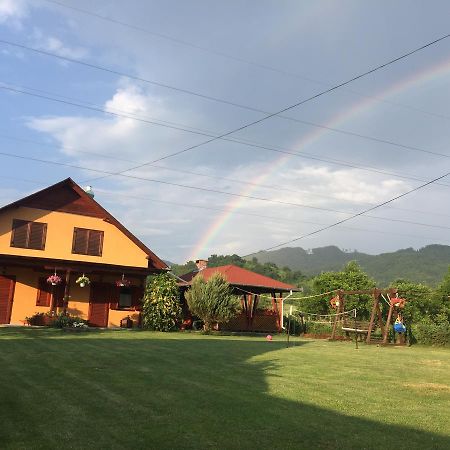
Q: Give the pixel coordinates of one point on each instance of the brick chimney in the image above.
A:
(201, 264)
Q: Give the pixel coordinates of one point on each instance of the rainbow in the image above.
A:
(436, 71)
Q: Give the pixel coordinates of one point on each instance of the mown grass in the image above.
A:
(126, 389)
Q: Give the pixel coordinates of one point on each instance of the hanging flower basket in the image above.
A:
(123, 282)
(83, 281)
(54, 280)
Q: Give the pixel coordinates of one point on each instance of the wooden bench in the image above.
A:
(361, 327)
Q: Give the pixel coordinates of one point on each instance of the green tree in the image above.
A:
(420, 301)
(351, 278)
(442, 295)
(212, 300)
(161, 310)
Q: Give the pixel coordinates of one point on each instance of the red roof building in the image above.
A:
(251, 287)
(242, 278)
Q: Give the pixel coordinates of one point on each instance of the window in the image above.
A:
(27, 234)
(125, 298)
(45, 292)
(87, 242)
(128, 298)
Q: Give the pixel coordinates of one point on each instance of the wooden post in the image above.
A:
(380, 318)
(388, 323)
(336, 317)
(66, 291)
(376, 300)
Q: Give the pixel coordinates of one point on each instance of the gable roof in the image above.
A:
(66, 196)
(237, 276)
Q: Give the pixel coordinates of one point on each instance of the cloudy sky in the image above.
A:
(171, 75)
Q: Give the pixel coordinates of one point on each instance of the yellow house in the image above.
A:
(62, 230)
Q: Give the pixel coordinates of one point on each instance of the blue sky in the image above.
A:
(265, 55)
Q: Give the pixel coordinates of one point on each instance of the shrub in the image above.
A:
(65, 320)
(432, 332)
(161, 310)
(212, 300)
(36, 319)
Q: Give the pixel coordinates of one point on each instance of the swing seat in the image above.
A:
(399, 328)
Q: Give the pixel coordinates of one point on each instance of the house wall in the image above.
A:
(117, 247)
(26, 290)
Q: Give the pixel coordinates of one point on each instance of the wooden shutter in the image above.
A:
(114, 297)
(6, 298)
(80, 239)
(87, 242)
(19, 233)
(137, 296)
(37, 233)
(44, 294)
(58, 294)
(26, 234)
(95, 243)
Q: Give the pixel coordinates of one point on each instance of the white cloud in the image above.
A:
(12, 12)
(56, 45)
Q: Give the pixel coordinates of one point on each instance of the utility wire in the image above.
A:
(186, 128)
(249, 124)
(356, 215)
(232, 194)
(233, 57)
(214, 177)
(116, 195)
(253, 144)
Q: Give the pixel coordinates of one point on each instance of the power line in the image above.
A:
(116, 195)
(232, 194)
(231, 57)
(215, 177)
(248, 143)
(249, 124)
(356, 215)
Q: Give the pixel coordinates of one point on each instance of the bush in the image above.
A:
(319, 328)
(37, 319)
(161, 310)
(296, 327)
(64, 320)
(432, 332)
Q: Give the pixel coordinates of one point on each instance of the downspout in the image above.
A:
(282, 310)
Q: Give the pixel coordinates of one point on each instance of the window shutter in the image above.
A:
(44, 294)
(114, 293)
(37, 232)
(80, 239)
(58, 294)
(19, 233)
(95, 243)
(137, 296)
(87, 242)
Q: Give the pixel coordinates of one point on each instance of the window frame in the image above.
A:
(29, 224)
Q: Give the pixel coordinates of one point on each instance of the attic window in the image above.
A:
(27, 234)
(87, 242)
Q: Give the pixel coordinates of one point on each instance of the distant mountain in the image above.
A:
(426, 265)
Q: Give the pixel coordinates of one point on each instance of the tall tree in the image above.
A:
(212, 300)
(161, 310)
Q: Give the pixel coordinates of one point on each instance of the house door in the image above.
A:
(99, 304)
(6, 298)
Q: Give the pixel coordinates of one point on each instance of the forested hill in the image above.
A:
(427, 265)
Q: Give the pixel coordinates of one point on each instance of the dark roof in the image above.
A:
(237, 276)
(66, 196)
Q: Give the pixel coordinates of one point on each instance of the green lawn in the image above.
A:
(131, 389)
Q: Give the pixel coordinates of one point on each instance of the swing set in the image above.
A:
(365, 329)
